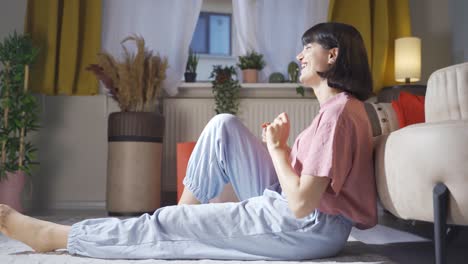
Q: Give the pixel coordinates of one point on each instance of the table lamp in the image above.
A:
(407, 69)
(408, 59)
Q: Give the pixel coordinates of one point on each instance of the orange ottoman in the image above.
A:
(184, 150)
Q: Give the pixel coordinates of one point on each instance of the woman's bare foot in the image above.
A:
(42, 236)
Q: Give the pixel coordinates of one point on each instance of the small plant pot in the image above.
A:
(250, 76)
(11, 189)
(190, 77)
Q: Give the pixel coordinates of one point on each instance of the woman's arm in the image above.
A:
(303, 193)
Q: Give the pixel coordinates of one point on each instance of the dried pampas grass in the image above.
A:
(135, 82)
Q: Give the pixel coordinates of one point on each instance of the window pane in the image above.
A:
(199, 41)
(220, 34)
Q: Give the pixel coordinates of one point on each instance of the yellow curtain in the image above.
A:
(68, 34)
(380, 22)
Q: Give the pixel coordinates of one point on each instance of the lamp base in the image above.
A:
(390, 93)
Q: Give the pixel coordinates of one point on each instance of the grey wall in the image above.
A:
(430, 21)
(11, 16)
(72, 152)
(459, 22)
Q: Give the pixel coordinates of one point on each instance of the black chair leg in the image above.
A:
(440, 195)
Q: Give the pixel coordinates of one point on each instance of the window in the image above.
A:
(212, 34)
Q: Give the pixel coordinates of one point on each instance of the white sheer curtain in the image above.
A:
(166, 25)
(274, 28)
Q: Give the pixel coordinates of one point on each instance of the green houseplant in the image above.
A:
(19, 111)
(225, 89)
(293, 73)
(135, 134)
(250, 64)
(191, 67)
(276, 77)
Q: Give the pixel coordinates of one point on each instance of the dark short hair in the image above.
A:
(350, 72)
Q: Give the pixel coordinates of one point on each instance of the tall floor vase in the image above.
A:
(134, 162)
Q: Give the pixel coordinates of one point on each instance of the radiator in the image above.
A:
(185, 119)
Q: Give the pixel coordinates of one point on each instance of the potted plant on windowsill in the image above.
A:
(135, 133)
(19, 111)
(250, 64)
(293, 73)
(191, 67)
(226, 89)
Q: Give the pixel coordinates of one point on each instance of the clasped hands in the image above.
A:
(276, 134)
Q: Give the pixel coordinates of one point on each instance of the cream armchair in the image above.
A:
(422, 169)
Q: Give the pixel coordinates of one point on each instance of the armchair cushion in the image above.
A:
(409, 109)
(382, 118)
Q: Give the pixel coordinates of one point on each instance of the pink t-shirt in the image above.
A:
(338, 145)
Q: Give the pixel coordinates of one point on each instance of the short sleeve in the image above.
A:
(330, 153)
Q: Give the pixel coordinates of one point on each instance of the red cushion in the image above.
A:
(409, 109)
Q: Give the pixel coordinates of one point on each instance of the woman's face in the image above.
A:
(313, 58)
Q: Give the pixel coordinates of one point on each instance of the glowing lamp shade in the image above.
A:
(408, 59)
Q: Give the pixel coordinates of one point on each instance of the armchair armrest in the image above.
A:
(409, 162)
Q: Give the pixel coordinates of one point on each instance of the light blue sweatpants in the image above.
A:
(259, 227)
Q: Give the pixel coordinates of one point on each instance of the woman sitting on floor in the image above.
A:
(292, 203)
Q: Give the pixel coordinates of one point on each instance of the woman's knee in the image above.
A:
(224, 119)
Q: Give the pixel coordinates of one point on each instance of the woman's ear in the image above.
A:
(332, 55)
